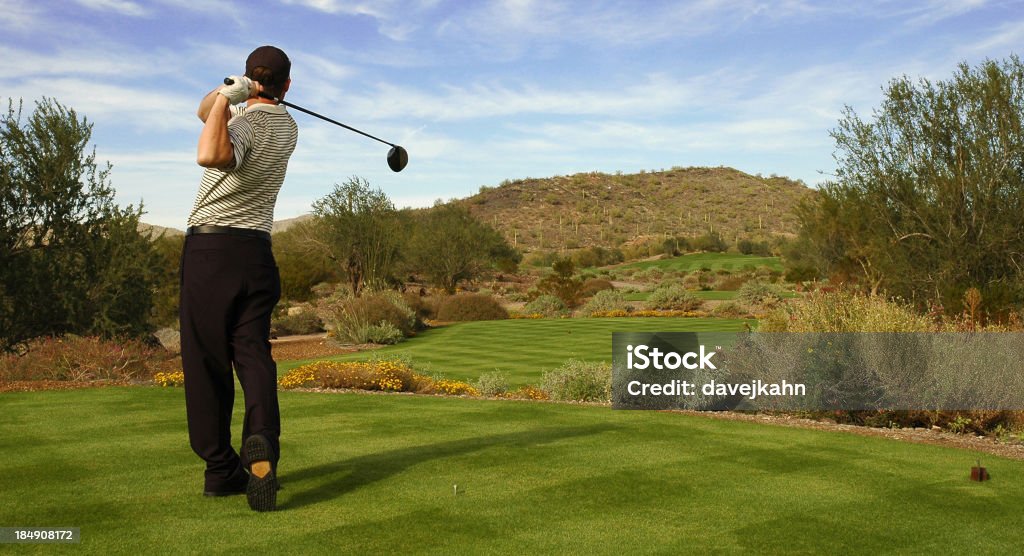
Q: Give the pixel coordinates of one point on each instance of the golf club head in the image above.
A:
(397, 158)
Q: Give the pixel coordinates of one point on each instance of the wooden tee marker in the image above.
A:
(979, 473)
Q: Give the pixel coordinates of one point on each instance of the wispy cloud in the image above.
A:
(372, 9)
(18, 16)
(511, 24)
(934, 11)
(137, 108)
(395, 20)
(657, 93)
(122, 7)
(1008, 36)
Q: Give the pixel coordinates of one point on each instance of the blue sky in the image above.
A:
(480, 92)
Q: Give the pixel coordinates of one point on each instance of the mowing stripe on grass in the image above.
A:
(378, 474)
(525, 348)
(714, 261)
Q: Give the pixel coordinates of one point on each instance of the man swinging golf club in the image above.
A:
(230, 282)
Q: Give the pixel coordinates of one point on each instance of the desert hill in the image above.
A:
(565, 212)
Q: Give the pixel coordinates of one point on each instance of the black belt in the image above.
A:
(229, 230)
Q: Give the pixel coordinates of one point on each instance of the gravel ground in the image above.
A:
(1009, 449)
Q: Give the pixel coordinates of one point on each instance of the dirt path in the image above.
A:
(989, 445)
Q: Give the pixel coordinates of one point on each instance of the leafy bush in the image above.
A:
(562, 283)
(749, 247)
(493, 384)
(579, 381)
(82, 359)
(759, 293)
(604, 302)
(383, 333)
(547, 305)
(596, 256)
(540, 258)
(71, 259)
(673, 297)
(305, 322)
(470, 307)
(711, 242)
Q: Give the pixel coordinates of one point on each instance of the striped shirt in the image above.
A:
(263, 137)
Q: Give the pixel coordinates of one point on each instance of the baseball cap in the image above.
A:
(272, 58)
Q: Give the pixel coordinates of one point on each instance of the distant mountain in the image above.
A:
(609, 210)
(279, 226)
(566, 212)
(154, 231)
(282, 225)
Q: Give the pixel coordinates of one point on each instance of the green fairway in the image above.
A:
(378, 474)
(525, 348)
(713, 261)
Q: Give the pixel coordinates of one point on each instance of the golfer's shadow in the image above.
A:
(348, 475)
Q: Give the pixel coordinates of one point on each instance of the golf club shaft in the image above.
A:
(229, 81)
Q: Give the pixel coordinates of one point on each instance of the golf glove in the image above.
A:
(237, 91)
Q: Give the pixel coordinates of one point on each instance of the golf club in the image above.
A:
(397, 157)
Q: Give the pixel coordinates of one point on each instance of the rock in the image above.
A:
(297, 310)
(169, 338)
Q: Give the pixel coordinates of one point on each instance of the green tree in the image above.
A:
(562, 283)
(449, 245)
(71, 260)
(358, 228)
(929, 192)
(301, 263)
(166, 290)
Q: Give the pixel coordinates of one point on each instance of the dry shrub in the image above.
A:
(470, 307)
(673, 297)
(759, 293)
(581, 381)
(302, 323)
(730, 282)
(425, 306)
(604, 302)
(839, 311)
(846, 312)
(546, 306)
(594, 285)
(355, 318)
(730, 309)
(83, 359)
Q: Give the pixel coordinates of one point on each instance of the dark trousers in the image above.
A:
(229, 286)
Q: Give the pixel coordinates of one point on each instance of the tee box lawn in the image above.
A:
(382, 474)
(399, 473)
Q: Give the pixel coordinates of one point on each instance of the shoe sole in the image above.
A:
(262, 488)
